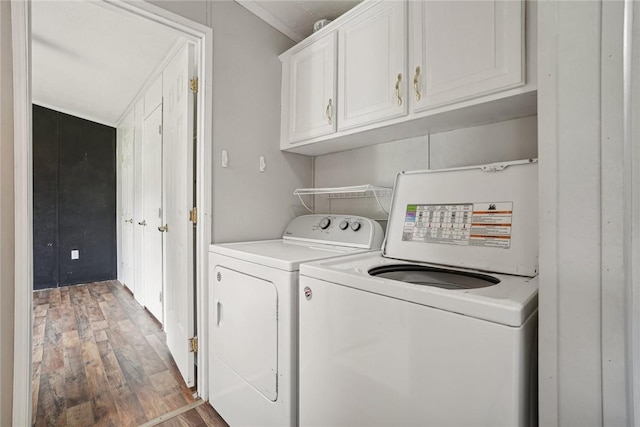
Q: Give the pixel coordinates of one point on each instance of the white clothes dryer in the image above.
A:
(440, 327)
(253, 287)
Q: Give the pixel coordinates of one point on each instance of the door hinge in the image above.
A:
(193, 345)
(193, 215)
(160, 296)
(193, 84)
(159, 129)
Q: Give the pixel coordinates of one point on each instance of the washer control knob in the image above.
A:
(344, 225)
(355, 226)
(325, 222)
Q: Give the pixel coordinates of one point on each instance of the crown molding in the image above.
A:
(270, 19)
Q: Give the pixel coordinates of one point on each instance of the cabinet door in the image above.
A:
(372, 66)
(464, 49)
(312, 90)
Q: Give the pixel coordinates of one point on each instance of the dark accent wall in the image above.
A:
(74, 199)
(46, 135)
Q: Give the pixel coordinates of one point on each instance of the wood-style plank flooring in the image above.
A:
(101, 359)
(203, 415)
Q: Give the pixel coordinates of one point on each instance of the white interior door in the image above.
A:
(152, 187)
(178, 201)
(126, 218)
(138, 206)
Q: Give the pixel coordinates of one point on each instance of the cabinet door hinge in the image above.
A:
(193, 345)
(193, 215)
(160, 296)
(193, 84)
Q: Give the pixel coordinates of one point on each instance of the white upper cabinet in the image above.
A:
(395, 69)
(464, 49)
(372, 63)
(309, 81)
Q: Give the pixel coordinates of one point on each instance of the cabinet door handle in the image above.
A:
(130, 220)
(163, 228)
(416, 84)
(398, 96)
(329, 112)
(143, 223)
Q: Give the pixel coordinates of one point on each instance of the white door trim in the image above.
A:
(632, 181)
(23, 189)
(202, 36)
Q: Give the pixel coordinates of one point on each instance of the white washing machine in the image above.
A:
(439, 328)
(253, 366)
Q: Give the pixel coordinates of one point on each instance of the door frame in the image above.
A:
(202, 36)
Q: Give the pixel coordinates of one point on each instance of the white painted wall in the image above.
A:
(509, 140)
(247, 204)
(585, 361)
(498, 142)
(6, 217)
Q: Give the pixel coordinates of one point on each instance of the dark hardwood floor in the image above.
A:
(101, 359)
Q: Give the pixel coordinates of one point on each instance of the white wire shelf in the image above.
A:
(354, 191)
(366, 190)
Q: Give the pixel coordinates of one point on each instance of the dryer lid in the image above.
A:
(481, 217)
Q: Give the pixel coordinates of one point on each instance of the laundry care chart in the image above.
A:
(467, 224)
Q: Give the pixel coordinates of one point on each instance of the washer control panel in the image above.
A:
(343, 230)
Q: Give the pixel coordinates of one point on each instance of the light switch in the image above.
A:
(263, 164)
(75, 254)
(225, 159)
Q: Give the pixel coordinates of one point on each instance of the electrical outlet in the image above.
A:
(75, 254)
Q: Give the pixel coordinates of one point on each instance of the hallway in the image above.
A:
(101, 359)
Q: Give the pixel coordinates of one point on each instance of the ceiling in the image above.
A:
(91, 61)
(295, 18)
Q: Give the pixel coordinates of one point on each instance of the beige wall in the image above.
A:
(247, 204)
(196, 10)
(6, 217)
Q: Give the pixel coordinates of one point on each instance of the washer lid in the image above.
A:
(481, 217)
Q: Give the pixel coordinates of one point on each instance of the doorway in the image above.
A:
(201, 37)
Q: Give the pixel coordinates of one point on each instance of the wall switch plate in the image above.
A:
(262, 164)
(225, 159)
(75, 254)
